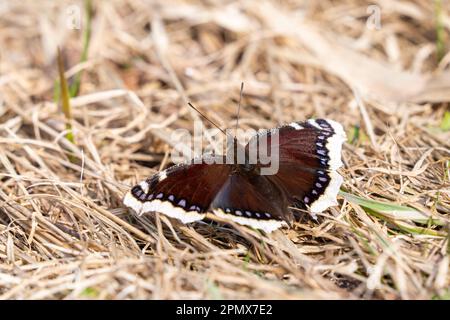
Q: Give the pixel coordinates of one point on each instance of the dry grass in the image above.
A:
(63, 230)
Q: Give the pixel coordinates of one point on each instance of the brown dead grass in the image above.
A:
(65, 234)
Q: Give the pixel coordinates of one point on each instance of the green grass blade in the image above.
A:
(392, 211)
(56, 91)
(440, 33)
(75, 87)
(65, 100)
(445, 124)
(408, 227)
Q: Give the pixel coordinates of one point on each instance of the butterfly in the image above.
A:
(309, 153)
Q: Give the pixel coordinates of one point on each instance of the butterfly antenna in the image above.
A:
(206, 118)
(239, 109)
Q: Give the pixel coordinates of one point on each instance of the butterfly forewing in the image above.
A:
(309, 154)
(183, 191)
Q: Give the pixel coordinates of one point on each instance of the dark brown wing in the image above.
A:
(252, 200)
(183, 191)
(309, 154)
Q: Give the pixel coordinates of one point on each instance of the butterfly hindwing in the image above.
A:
(252, 200)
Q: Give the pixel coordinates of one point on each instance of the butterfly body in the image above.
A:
(236, 188)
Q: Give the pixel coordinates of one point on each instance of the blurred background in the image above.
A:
(72, 144)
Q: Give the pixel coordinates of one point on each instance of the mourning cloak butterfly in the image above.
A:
(309, 155)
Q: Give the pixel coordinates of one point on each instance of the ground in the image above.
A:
(380, 68)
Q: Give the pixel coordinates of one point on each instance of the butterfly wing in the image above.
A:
(183, 191)
(309, 155)
(252, 200)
